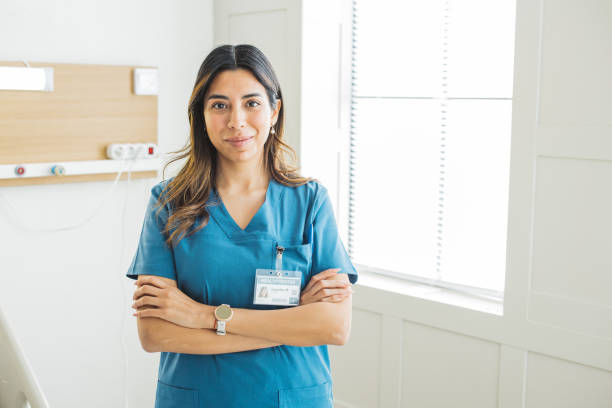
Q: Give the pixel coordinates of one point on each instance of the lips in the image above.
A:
(239, 141)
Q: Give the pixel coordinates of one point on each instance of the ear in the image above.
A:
(275, 112)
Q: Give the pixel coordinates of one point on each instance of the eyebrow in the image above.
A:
(217, 96)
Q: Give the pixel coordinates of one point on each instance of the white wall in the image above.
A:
(66, 294)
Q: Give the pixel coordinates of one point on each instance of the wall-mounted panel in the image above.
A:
(559, 383)
(576, 61)
(580, 141)
(572, 240)
(356, 365)
(90, 107)
(445, 369)
(593, 319)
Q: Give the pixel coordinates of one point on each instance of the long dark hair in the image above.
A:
(188, 192)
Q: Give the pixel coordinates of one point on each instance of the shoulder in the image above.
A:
(311, 192)
(157, 189)
(309, 197)
(155, 199)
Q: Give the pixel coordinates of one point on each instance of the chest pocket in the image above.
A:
(292, 257)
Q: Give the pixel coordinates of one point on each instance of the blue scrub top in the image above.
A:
(217, 265)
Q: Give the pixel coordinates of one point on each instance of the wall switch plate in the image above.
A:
(146, 81)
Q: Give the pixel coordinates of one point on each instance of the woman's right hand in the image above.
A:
(326, 287)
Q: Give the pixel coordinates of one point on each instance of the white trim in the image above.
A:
(427, 292)
(390, 388)
(343, 404)
(472, 291)
(7, 171)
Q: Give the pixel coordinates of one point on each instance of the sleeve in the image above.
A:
(153, 256)
(327, 248)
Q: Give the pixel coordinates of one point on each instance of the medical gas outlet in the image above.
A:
(132, 157)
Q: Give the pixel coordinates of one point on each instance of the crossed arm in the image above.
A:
(168, 320)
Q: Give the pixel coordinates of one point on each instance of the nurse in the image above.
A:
(242, 279)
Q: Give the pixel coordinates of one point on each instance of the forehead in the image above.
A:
(235, 83)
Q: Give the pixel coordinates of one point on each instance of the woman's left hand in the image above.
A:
(169, 303)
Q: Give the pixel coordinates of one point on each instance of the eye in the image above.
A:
(252, 103)
(218, 105)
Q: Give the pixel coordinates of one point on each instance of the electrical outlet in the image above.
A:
(125, 151)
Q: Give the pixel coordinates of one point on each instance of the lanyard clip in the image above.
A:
(279, 258)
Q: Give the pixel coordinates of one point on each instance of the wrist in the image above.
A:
(222, 314)
(207, 317)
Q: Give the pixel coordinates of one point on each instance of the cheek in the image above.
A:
(212, 122)
(261, 122)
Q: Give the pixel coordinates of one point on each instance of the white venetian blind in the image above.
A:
(430, 140)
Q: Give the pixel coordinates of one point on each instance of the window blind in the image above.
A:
(431, 100)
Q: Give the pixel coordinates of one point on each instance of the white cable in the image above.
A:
(123, 302)
(19, 223)
(121, 278)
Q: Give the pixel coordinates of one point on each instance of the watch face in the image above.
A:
(223, 312)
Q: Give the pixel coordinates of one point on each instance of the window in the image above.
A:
(431, 111)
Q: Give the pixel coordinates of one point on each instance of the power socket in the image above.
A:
(130, 151)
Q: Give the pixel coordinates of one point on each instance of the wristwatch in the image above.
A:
(223, 314)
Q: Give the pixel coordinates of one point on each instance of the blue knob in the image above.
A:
(57, 170)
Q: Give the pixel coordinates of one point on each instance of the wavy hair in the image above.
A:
(188, 192)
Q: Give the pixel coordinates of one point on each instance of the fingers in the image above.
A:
(326, 295)
(150, 280)
(328, 273)
(323, 293)
(149, 312)
(329, 283)
(146, 290)
(146, 301)
(334, 298)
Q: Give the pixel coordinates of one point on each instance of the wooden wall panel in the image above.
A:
(91, 107)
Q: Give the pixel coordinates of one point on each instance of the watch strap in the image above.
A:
(220, 327)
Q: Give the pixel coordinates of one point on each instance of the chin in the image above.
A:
(244, 155)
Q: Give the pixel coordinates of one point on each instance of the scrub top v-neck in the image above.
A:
(229, 225)
(217, 265)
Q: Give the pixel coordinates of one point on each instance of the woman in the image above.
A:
(242, 277)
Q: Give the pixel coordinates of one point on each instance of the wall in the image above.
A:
(65, 293)
(550, 345)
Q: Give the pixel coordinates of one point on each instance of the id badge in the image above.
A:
(277, 287)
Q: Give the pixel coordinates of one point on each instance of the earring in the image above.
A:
(272, 131)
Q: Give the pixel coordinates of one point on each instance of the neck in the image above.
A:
(241, 177)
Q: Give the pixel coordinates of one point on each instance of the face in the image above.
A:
(238, 116)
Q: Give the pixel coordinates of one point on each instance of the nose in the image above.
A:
(237, 118)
